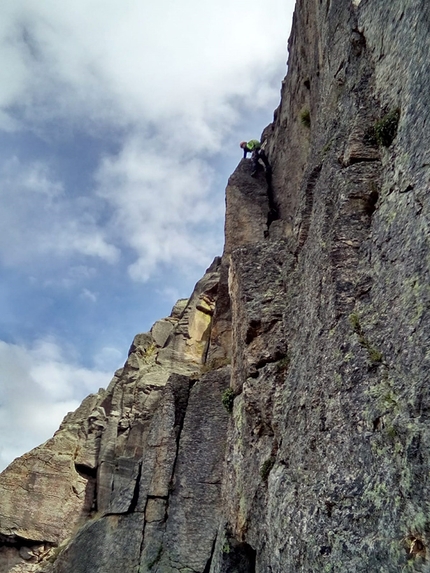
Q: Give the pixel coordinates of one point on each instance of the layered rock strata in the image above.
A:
(321, 304)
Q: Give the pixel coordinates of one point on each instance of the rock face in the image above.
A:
(321, 305)
(126, 481)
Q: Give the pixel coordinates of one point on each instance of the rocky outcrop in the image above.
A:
(165, 507)
(320, 302)
(117, 468)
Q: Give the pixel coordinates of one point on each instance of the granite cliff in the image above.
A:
(278, 420)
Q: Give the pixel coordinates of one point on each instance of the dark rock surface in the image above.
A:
(172, 522)
(326, 467)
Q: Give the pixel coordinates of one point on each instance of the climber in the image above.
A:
(254, 147)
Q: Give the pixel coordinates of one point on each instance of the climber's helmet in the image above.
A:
(243, 144)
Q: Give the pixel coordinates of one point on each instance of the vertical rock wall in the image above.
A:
(327, 467)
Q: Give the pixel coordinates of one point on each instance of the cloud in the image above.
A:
(127, 62)
(162, 206)
(172, 295)
(39, 385)
(39, 220)
(86, 294)
(108, 358)
(174, 78)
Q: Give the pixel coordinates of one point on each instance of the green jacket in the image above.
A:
(253, 144)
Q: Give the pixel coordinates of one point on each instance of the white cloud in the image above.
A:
(108, 358)
(127, 62)
(40, 384)
(177, 75)
(171, 295)
(39, 220)
(87, 294)
(162, 206)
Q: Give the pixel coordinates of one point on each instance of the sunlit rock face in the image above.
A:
(118, 466)
(316, 321)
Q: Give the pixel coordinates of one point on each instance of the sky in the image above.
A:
(119, 126)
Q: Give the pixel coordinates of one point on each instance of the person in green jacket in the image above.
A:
(254, 147)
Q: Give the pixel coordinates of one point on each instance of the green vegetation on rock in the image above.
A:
(386, 128)
(227, 398)
(156, 558)
(266, 468)
(283, 363)
(375, 356)
(305, 117)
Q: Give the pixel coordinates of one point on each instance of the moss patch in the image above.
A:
(214, 364)
(283, 364)
(227, 399)
(156, 558)
(305, 117)
(375, 356)
(386, 128)
(266, 468)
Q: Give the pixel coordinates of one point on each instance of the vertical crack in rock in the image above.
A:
(195, 500)
(158, 476)
(231, 555)
(135, 498)
(209, 562)
(305, 223)
(273, 214)
(85, 471)
(180, 410)
(89, 474)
